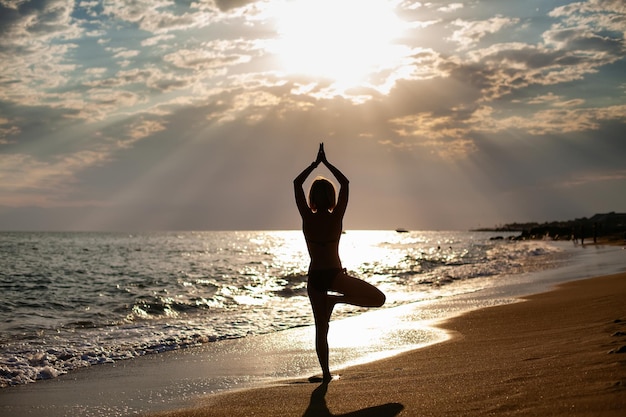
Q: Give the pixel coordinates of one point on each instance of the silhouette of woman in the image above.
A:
(322, 222)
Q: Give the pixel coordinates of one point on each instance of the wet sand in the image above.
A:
(559, 353)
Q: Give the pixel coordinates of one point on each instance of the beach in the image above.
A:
(558, 353)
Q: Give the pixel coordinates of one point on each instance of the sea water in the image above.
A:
(73, 300)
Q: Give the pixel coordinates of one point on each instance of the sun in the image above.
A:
(341, 40)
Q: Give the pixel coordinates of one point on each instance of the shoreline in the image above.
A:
(557, 353)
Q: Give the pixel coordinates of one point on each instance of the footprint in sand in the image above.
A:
(621, 349)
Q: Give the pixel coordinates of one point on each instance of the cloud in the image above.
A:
(450, 7)
(205, 57)
(31, 64)
(140, 129)
(558, 121)
(598, 14)
(444, 134)
(158, 39)
(579, 179)
(501, 69)
(450, 136)
(569, 51)
(582, 39)
(226, 5)
(123, 52)
(7, 130)
(104, 101)
(27, 75)
(25, 22)
(29, 181)
(157, 16)
(471, 32)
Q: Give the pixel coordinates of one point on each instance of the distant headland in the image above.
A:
(610, 226)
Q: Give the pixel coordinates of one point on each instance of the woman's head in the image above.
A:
(322, 195)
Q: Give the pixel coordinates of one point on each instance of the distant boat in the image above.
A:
(401, 230)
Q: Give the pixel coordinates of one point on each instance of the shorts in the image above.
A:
(322, 279)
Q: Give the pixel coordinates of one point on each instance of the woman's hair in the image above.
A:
(322, 195)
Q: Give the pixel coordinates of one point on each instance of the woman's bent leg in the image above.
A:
(357, 292)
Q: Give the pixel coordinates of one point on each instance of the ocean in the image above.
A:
(76, 300)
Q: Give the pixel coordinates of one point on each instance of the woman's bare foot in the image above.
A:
(323, 379)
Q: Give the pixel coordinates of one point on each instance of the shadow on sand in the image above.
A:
(318, 408)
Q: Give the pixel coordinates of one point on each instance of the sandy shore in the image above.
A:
(560, 353)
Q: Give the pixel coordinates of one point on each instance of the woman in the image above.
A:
(322, 220)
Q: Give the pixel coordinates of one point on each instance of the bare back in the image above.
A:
(322, 232)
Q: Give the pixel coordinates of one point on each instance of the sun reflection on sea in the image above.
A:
(361, 248)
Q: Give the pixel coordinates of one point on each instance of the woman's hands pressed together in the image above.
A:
(321, 156)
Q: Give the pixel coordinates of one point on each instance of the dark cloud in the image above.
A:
(34, 125)
(575, 39)
(37, 17)
(226, 5)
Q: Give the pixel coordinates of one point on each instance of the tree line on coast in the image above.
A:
(608, 226)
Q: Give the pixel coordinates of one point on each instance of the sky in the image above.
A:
(197, 115)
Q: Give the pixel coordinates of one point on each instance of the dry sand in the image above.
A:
(560, 353)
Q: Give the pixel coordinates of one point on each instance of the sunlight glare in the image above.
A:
(342, 40)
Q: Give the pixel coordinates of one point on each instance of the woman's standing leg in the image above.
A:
(321, 313)
(351, 291)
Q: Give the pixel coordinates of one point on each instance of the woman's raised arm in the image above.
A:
(303, 207)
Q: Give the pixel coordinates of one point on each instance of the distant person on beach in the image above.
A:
(322, 223)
